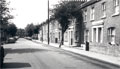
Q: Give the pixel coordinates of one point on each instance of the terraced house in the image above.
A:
(102, 28)
(102, 21)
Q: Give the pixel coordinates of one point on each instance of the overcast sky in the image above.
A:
(29, 11)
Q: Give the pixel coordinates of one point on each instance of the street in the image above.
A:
(25, 54)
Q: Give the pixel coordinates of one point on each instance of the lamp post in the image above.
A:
(48, 22)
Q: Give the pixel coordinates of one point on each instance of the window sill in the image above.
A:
(91, 20)
(85, 21)
(111, 43)
(116, 14)
(103, 17)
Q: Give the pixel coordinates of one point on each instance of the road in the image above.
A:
(25, 54)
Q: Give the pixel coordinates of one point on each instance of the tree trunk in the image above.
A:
(62, 39)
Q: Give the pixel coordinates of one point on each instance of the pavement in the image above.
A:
(96, 56)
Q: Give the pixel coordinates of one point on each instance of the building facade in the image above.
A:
(101, 18)
(55, 32)
(72, 36)
(101, 28)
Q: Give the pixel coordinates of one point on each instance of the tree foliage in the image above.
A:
(20, 32)
(66, 11)
(36, 29)
(4, 18)
(4, 12)
(29, 30)
(32, 29)
(11, 29)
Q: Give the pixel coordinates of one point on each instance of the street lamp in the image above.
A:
(48, 22)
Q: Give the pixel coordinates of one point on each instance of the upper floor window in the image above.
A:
(104, 9)
(92, 13)
(116, 6)
(88, 0)
(111, 35)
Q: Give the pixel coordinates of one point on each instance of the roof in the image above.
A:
(85, 4)
(89, 3)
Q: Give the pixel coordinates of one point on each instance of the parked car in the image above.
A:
(11, 40)
(28, 38)
(35, 37)
(16, 37)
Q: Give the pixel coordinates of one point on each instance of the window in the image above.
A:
(99, 34)
(76, 35)
(94, 34)
(71, 34)
(66, 36)
(111, 35)
(87, 35)
(88, 0)
(116, 6)
(92, 13)
(104, 9)
(85, 15)
(59, 35)
(71, 37)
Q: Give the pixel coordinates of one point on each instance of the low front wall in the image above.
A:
(113, 50)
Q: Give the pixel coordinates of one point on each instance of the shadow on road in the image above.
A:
(24, 50)
(15, 65)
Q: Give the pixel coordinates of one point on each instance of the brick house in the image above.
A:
(102, 27)
(72, 36)
(55, 32)
(44, 34)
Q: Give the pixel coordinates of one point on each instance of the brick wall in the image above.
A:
(109, 21)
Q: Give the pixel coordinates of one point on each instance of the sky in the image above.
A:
(29, 11)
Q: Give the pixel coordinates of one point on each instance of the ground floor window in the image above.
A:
(97, 34)
(77, 35)
(59, 35)
(94, 34)
(87, 35)
(66, 36)
(111, 35)
(70, 37)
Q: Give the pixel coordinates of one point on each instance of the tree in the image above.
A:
(30, 29)
(66, 11)
(11, 29)
(4, 17)
(36, 30)
(21, 32)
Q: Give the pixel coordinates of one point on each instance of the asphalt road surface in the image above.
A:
(25, 54)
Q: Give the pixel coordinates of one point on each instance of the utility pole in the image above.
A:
(0, 35)
(48, 22)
